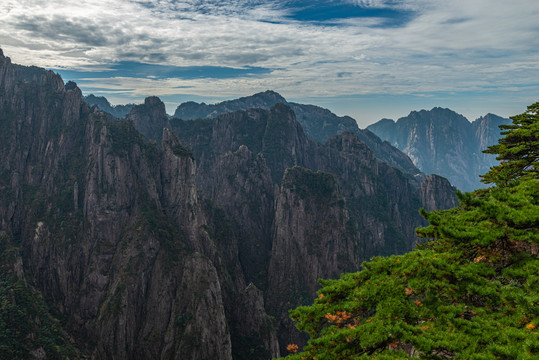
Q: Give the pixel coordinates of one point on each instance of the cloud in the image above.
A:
(306, 48)
(61, 29)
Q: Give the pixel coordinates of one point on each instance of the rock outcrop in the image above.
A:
(443, 142)
(150, 118)
(437, 193)
(314, 238)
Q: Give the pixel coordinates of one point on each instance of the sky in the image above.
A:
(369, 59)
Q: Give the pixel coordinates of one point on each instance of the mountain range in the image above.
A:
(156, 237)
(319, 124)
(440, 141)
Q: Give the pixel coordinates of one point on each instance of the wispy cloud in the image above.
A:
(301, 48)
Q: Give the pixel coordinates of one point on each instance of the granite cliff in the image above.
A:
(111, 231)
(443, 142)
(169, 239)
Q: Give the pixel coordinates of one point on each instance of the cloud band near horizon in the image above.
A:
(433, 51)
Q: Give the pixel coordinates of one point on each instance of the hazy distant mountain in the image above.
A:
(118, 111)
(440, 141)
(191, 110)
(318, 123)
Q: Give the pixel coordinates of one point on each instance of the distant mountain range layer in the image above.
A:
(318, 123)
(163, 238)
(118, 111)
(440, 141)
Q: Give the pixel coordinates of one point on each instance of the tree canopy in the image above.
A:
(470, 292)
(518, 150)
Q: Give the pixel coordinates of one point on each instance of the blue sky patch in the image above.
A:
(142, 70)
(326, 12)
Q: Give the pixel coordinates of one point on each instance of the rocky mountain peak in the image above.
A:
(154, 101)
(150, 118)
(436, 115)
(386, 121)
(169, 139)
(441, 141)
(442, 198)
(269, 96)
(7, 73)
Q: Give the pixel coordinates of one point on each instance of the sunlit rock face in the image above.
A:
(443, 142)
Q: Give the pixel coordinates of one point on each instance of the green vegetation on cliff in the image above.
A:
(471, 292)
(305, 183)
(180, 150)
(27, 330)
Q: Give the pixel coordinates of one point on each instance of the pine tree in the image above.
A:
(470, 292)
(518, 150)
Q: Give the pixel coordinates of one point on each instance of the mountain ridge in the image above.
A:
(319, 124)
(118, 111)
(446, 143)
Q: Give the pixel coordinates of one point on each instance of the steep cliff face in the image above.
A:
(389, 154)
(382, 200)
(443, 142)
(320, 124)
(314, 238)
(435, 139)
(112, 232)
(243, 189)
(150, 118)
(123, 274)
(437, 193)
(486, 133)
(28, 330)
